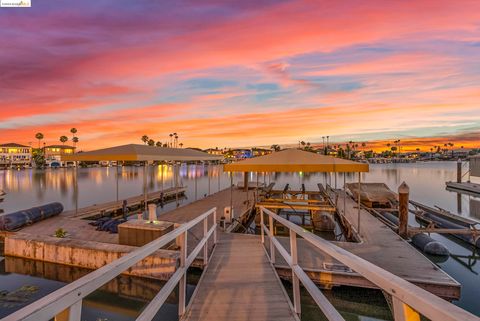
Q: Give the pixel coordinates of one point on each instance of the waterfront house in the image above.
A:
(13, 154)
(260, 151)
(54, 153)
(214, 151)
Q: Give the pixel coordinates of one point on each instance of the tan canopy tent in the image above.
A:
(141, 153)
(294, 160)
(135, 152)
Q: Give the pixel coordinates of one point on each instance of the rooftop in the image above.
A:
(135, 152)
(13, 145)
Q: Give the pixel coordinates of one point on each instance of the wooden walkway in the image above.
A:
(239, 284)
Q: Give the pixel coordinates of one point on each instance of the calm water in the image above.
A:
(28, 188)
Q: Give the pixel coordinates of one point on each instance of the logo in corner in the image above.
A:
(15, 3)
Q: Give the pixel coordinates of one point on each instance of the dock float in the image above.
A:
(239, 284)
(464, 187)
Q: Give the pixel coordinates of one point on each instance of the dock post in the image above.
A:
(295, 280)
(403, 194)
(182, 285)
(459, 170)
(262, 224)
(205, 247)
(272, 235)
(215, 230)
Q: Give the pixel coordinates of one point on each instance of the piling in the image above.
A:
(403, 194)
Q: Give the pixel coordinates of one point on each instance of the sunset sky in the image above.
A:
(241, 73)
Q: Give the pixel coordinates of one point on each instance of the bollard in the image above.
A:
(403, 194)
(152, 212)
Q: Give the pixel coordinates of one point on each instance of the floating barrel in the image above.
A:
(323, 221)
(391, 217)
(429, 245)
(14, 221)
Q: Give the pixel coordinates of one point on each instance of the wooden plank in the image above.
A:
(239, 284)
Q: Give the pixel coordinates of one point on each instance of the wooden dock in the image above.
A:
(133, 202)
(378, 245)
(239, 284)
(468, 187)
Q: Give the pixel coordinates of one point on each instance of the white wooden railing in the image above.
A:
(70, 296)
(408, 300)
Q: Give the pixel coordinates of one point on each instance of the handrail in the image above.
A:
(70, 296)
(407, 298)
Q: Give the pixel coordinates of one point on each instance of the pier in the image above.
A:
(240, 284)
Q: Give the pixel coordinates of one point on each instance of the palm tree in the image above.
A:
(176, 139)
(73, 131)
(39, 136)
(63, 139)
(75, 141)
(171, 143)
(158, 144)
(151, 142)
(145, 139)
(181, 145)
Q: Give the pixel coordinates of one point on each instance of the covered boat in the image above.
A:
(17, 220)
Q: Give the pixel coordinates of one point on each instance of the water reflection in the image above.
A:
(28, 188)
(123, 298)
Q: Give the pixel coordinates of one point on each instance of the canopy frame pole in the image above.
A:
(344, 192)
(208, 174)
(175, 177)
(161, 177)
(218, 177)
(231, 195)
(358, 201)
(335, 180)
(76, 188)
(195, 174)
(145, 196)
(116, 180)
(256, 189)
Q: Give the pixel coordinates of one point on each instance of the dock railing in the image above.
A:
(408, 300)
(68, 299)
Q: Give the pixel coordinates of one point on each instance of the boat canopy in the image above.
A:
(295, 160)
(135, 152)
